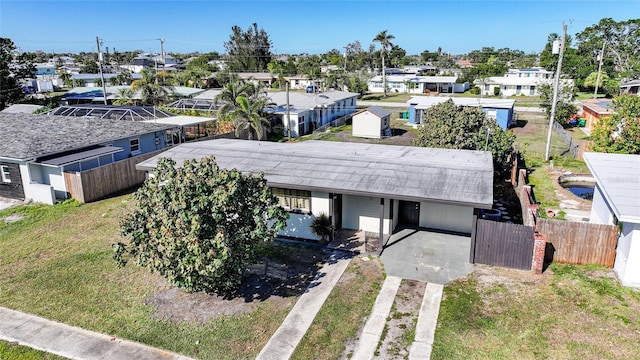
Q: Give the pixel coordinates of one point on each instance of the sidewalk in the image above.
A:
(72, 342)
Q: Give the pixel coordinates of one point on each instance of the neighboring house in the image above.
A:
(372, 122)
(501, 110)
(417, 84)
(88, 95)
(594, 110)
(263, 77)
(308, 112)
(616, 201)
(44, 69)
(369, 187)
(517, 82)
(630, 87)
(38, 151)
(464, 64)
(138, 64)
(89, 80)
(299, 82)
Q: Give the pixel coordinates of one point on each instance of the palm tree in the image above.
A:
(249, 115)
(385, 42)
(123, 97)
(151, 92)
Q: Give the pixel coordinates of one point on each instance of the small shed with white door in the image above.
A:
(372, 122)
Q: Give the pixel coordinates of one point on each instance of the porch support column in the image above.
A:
(474, 234)
(381, 233)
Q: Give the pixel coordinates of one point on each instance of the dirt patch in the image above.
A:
(399, 331)
(280, 278)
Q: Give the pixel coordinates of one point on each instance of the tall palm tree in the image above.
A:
(249, 115)
(385, 42)
(123, 97)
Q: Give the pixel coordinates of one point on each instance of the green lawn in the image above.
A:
(571, 312)
(56, 263)
(13, 351)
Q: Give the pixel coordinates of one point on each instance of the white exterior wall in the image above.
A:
(36, 189)
(600, 211)
(363, 213)
(446, 217)
(367, 125)
(299, 225)
(627, 264)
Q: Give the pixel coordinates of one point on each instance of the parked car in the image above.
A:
(312, 89)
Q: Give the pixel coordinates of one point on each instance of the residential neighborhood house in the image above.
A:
(501, 110)
(40, 152)
(593, 110)
(369, 187)
(521, 82)
(413, 84)
(616, 201)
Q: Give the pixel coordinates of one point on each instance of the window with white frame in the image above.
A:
(293, 200)
(134, 145)
(6, 175)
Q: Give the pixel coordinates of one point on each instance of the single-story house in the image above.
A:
(38, 150)
(369, 187)
(299, 82)
(139, 63)
(308, 112)
(616, 201)
(413, 84)
(630, 87)
(372, 122)
(593, 110)
(499, 109)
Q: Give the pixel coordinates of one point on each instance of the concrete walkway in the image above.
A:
(427, 320)
(372, 330)
(72, 342)
(285, 340)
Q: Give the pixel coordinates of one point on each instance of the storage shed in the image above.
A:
(372, 122)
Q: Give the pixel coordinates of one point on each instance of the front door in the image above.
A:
(337, 212)
(409, 213)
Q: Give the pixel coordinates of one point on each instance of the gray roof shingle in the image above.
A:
(26, 136)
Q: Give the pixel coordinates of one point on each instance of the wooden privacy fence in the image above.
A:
(97, 183)
(503, 244)
(580, 243)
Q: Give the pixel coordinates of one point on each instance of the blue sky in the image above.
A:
(299, 26)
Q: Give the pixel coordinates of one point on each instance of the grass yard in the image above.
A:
(13, 351)
(570, 312)
(344, 312)
(56, 263)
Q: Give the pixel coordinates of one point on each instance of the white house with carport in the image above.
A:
(369, 187)
(501, 110)
(413, 84)
(616, 201)
(372, 122)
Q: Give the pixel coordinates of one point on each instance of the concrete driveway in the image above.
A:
(427, 256)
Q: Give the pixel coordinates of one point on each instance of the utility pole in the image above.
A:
(555, 91)
(288, 114)
(163, 58)
(600, 57)
(104, 86)
(346, 48)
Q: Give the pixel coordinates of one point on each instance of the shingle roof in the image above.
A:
(462, 177)
(26, 136)
(618, 176)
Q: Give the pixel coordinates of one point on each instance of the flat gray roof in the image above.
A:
(463, 177)
(618, 176)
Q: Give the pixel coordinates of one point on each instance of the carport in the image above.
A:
(427, 255)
